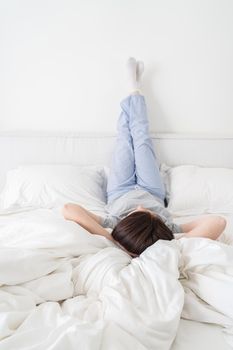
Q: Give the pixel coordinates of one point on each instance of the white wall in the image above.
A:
(62, 63)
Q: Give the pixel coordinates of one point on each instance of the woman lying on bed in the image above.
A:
(135, 190)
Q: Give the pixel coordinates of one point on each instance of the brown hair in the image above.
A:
(139, 230)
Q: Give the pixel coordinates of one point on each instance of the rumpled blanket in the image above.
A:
(63, 288)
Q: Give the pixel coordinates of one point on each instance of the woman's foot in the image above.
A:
(132, 73)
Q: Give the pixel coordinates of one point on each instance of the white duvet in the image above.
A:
(63, 288)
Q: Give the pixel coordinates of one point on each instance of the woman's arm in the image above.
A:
(207, 226)
(86, 219)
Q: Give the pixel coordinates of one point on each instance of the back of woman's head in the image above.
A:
(139, 230)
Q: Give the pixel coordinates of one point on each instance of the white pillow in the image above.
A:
(49, 186)
(195, 190)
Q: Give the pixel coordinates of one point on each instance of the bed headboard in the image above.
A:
(73, 148)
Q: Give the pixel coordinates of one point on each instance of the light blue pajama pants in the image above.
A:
(134, 163)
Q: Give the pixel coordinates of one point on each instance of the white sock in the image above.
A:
(132, 74)
(139, 72)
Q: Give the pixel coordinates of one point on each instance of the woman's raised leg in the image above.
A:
(122, 172)
(147, 169)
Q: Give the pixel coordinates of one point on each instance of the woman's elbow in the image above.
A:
(66, 210)
(219, 226)
(222, 223)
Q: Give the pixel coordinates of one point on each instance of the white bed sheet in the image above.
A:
(111, 301)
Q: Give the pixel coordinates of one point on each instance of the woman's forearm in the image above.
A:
(86, 219)
(208, 226)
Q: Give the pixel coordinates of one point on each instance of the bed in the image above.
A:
(62, 288)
